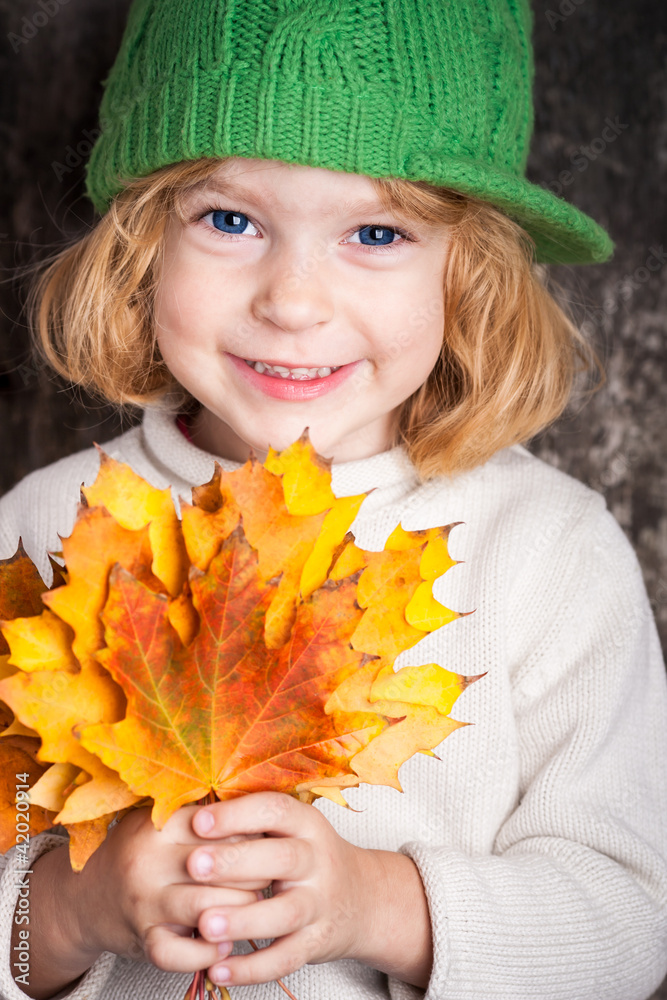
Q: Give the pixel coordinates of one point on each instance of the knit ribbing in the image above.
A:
(416, 89)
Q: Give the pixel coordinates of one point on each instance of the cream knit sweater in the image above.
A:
(541, 833)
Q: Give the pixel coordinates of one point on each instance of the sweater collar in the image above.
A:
(183, 462)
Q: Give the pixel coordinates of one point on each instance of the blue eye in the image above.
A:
(228, 224)
(378, 236)
(232, 223)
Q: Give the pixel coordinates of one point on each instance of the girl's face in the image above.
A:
(291, 299)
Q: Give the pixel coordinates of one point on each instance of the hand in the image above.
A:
(138, 899)
(134, 897)
(330, 899)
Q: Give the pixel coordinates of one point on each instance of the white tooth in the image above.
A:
(259, 366)
(299, 371)
(323, 372)
(278, 368)
(283, 372)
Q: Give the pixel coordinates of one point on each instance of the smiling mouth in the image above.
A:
(293, 374)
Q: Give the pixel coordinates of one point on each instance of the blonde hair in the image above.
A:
(510, 353)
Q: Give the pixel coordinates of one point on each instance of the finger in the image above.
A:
(270, 918)
(184, 904)
(171, 951)
(271, 858)
(176, 870)
(178, 828)
(259, 812)
(280, 959)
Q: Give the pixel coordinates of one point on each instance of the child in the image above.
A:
(315, 214)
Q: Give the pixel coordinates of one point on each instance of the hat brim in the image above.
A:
(562, 233)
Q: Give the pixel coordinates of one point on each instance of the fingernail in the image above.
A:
(219, 974)
(204, 821)
(224, 948)
(204, 864)
(217, 925)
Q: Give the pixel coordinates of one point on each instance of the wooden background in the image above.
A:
(596, 60)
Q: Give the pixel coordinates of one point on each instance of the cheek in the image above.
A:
(417, 341)
(428, 326)
(434, 336)
(167, 305)
(180, 305)
(187, 331)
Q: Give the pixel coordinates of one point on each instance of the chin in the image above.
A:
(278, 434)
(279, 440)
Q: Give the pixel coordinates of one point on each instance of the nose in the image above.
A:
(295, 291)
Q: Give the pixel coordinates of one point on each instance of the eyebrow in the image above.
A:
(230, 190)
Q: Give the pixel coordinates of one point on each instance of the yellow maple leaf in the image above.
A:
(248, 646)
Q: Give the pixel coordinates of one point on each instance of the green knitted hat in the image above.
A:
(428, 90)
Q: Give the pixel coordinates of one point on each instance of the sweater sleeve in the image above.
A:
(41, 509)
(572, 901)
(12, 878)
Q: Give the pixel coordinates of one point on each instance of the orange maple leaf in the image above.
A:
(19, 770)
(226, 713)
(21, 589)
(248, 646)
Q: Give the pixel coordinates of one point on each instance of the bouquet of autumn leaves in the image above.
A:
(247, 646)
